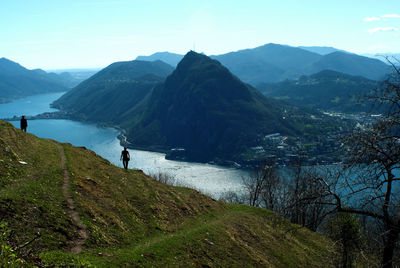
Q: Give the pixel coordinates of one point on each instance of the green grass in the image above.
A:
(133, 220)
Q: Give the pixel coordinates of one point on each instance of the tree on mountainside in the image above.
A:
(343, 229)
(370, 184)
(286, 193)
(265, 187)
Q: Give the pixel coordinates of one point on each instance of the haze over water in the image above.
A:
(209, 179)
(32, 105)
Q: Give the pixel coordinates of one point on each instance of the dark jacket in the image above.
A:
(24, 123)
(125, 155)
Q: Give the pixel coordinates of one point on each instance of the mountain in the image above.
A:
(171, 58)
(65, 78)
(78, 74)
(73, 77)
(351, 64)
(209, 114)
(66, 198)
(267, 63)
(17, 81)
(322, 50)
(326, 90)
(201, 112)
(108, 94)
(274, 63)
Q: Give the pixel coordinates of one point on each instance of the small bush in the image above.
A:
(164, 178)
(232, 197)
(8, 258)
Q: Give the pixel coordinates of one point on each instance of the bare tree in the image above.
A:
(164, 178)
(369, 186)
(270, 194)
(302, 206)
(232, 197)
(266, 187)
(289, 192)
(255, 184)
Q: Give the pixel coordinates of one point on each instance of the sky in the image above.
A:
(61, 34)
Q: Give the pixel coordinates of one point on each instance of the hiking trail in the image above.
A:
(75, 245)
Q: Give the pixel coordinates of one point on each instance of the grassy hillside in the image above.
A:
(130, 219)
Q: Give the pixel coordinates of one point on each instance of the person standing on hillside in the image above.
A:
(24, 123)
(125, 157)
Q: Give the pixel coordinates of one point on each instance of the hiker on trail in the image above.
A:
(125, 157)
(24, 123)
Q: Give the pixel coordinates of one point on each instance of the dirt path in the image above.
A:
(75, 245)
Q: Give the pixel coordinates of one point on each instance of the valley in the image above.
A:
(209, 179)
(130, 218)
(218, 128)
(206, 112)
(260, 134)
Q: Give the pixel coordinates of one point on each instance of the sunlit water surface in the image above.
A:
(209, 179)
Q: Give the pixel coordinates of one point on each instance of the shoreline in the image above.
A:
(4, 100)
(174, 154)
(123, 140)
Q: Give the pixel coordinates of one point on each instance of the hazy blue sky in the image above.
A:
(94, 33)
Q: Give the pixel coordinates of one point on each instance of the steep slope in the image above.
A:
(207, 111)
(111, 92)
(17, 81)
(327, 90)
(171, 58)
(130, 219)
(351, 64)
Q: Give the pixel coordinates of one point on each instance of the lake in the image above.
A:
(209, 179)
(32, 105)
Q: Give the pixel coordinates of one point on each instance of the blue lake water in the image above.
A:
(32, 105)
(209, 179)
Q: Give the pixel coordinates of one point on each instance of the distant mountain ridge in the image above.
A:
(171, 58)
(65, 78)
(271, 62)
(326, 90)
(17, 81)
(74, 77)
(275, 62)
(351, 64)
